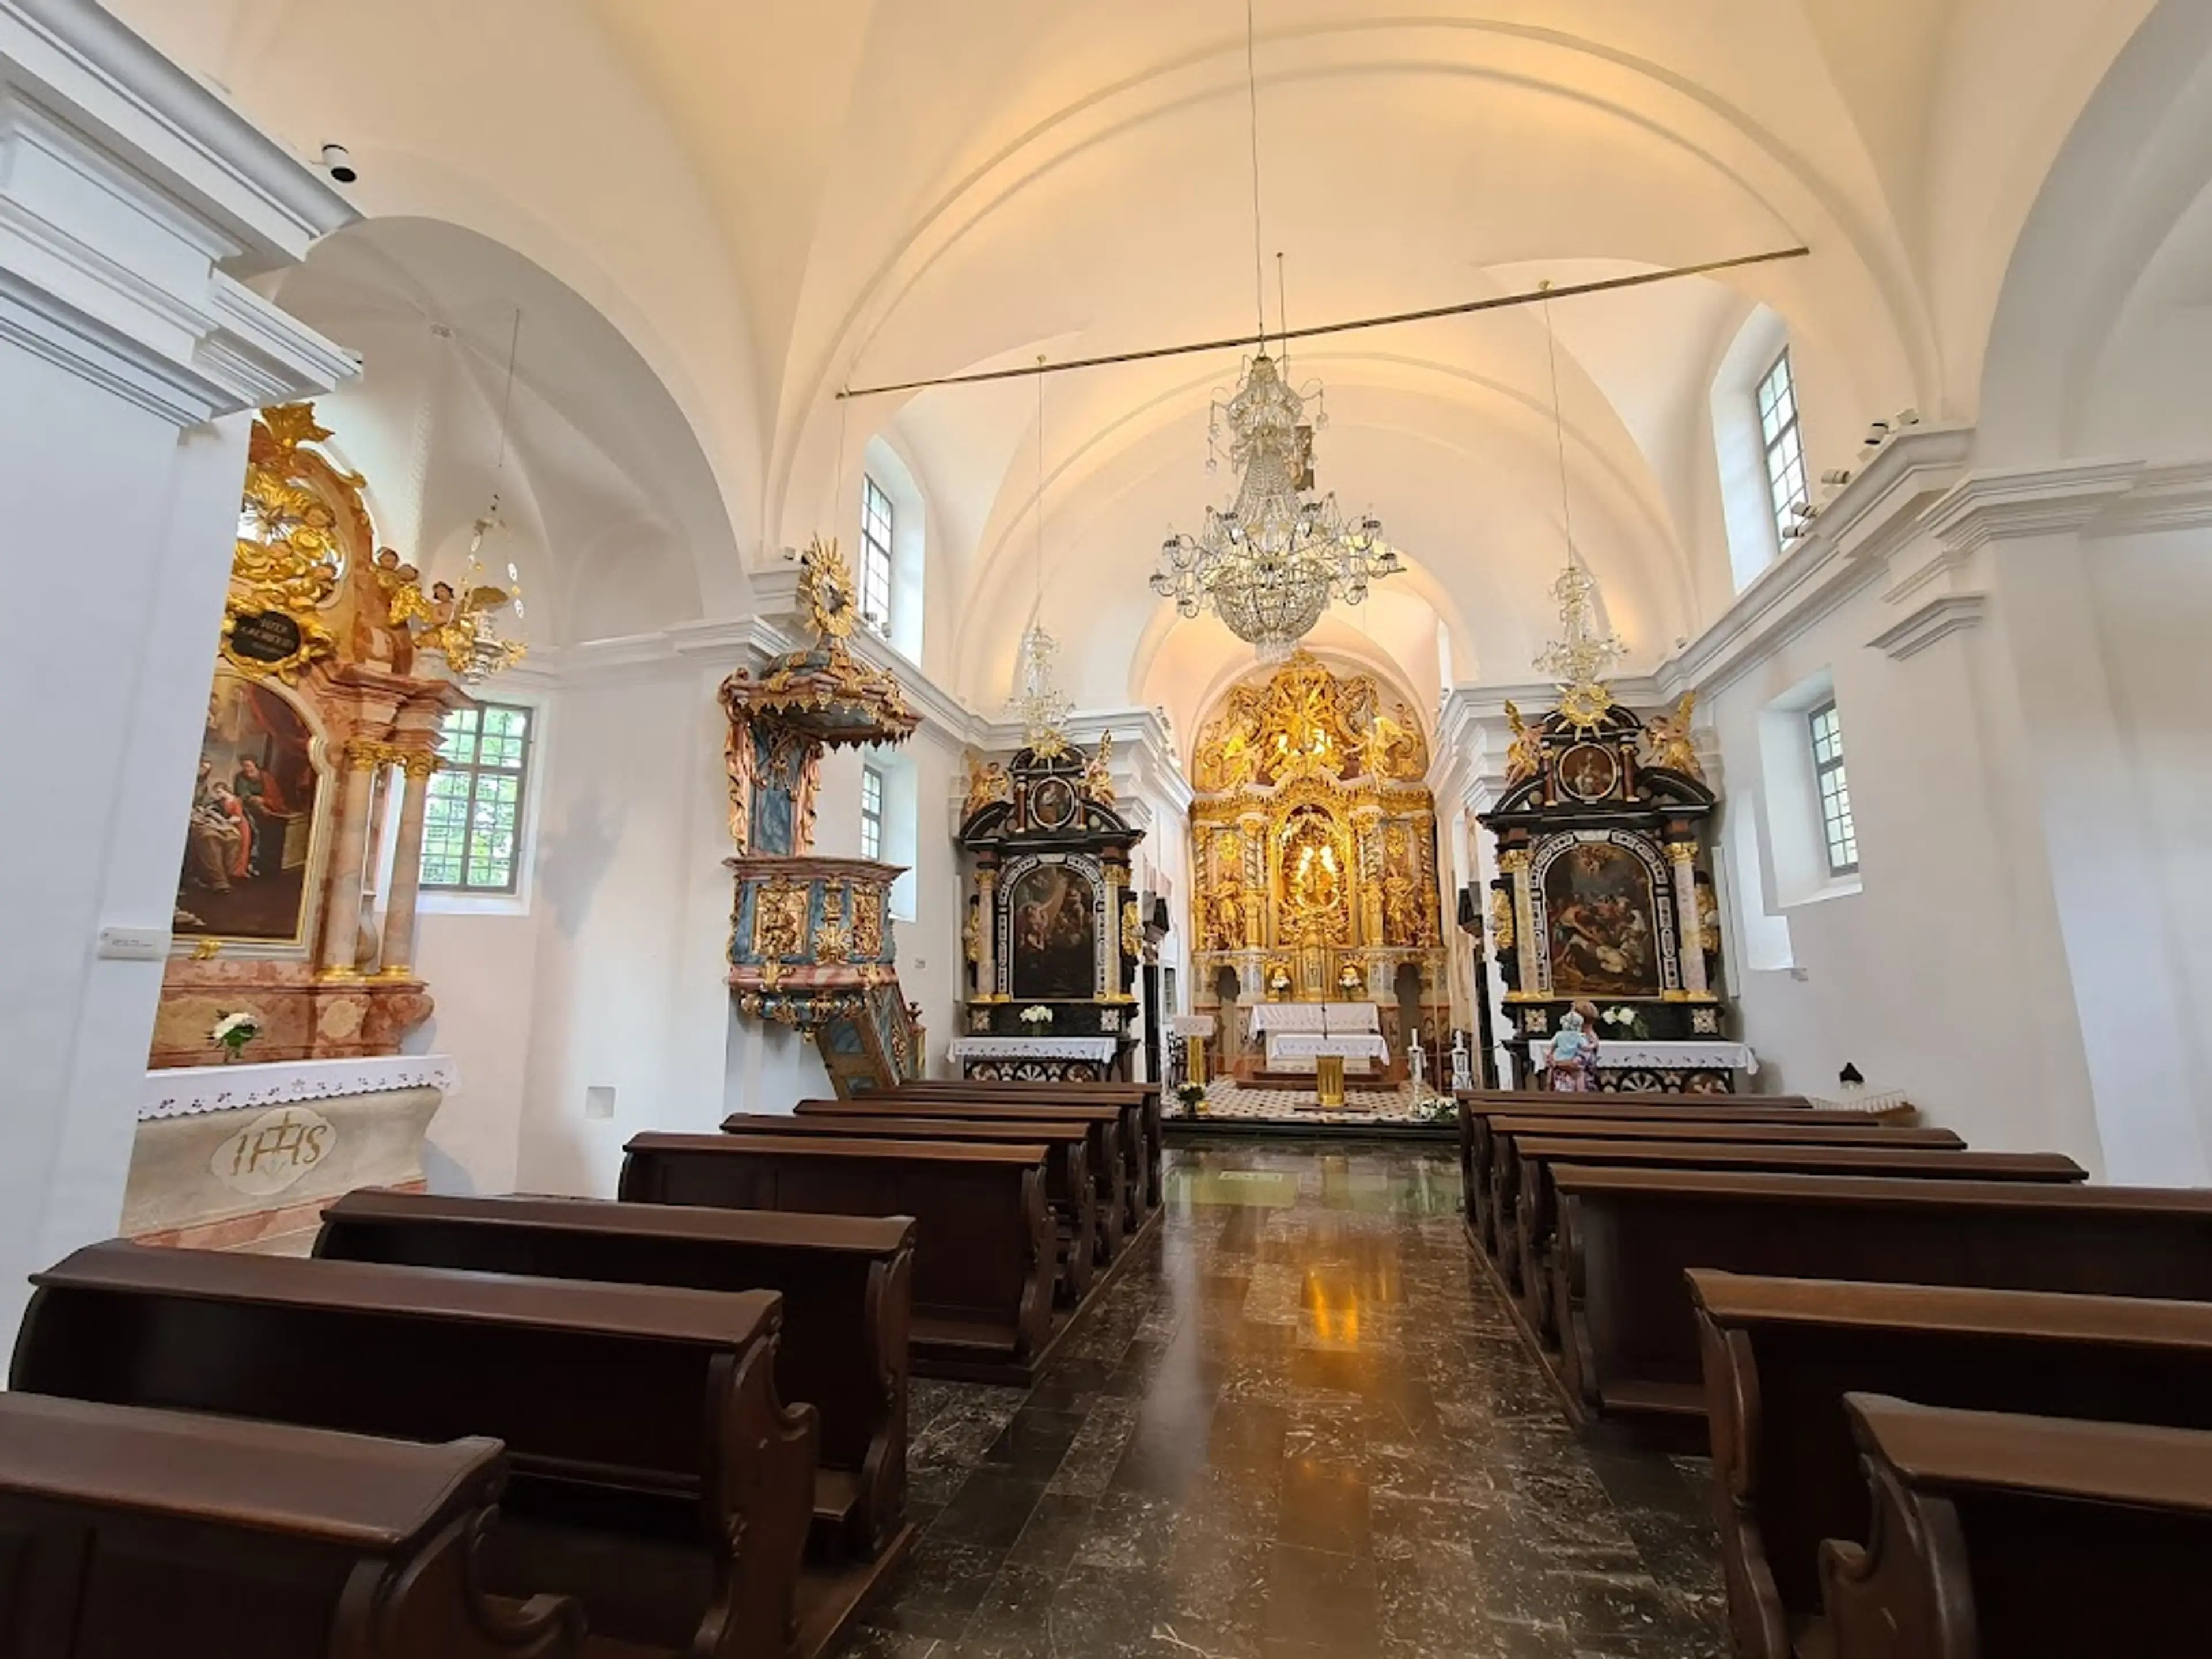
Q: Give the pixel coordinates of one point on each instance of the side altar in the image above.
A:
(1054, 935)
(1604, 901)
(1313, 869)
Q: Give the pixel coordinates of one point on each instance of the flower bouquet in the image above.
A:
(1193, 1096)
(235, 1031)
(1035, 1017)
(1627, 1023)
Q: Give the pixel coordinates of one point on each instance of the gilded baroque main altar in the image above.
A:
(1314, 856)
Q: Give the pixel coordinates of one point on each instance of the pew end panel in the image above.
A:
(130, 1531)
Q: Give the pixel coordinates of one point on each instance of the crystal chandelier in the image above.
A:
(1269, 563)
(1585, 652)
(1041, 707)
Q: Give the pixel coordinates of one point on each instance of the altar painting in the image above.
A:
(1601, 915)
(250, 835)
(1051, 907)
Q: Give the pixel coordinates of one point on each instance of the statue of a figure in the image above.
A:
(1524, 758)
(1501, 921)
(1097, 775)
(988, 782)
(1671, 748)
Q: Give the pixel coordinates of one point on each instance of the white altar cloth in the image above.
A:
(1098, 1049)
(1615, 1054)
(1333, 1018)
(1191, 1026)
(1307, 1046)
(188, 1090)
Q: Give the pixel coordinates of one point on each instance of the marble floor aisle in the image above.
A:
(1300, 1426)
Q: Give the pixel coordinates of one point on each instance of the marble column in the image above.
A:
(400, 904)
(364, 758)
(987, 936)
(1514, 866)
(1688, 937)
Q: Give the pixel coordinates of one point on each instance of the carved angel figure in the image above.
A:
(988, 782)
(1525, 757)
(1671, 748)
(1098, 773)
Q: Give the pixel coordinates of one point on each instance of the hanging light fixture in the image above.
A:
(1041, 706)
(1579, 660)
(1269, 563)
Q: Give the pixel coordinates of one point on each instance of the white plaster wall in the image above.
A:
(1942, 975)
(118, 709)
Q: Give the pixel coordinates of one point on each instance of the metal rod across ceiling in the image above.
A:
(1495, 302)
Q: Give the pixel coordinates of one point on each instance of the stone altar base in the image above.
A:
(257, 1178)
(303, 1017)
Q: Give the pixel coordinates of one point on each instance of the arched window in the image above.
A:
(894, 524)
(1762, 472)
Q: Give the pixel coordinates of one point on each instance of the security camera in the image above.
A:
(1876, 432)
(338, 164)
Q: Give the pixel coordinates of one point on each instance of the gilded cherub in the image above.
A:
(1671, 748)
(988, 782)
(1524, 758)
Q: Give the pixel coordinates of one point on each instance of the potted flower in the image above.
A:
(235, 1031)
(1036, 1017)
(1193, 1096)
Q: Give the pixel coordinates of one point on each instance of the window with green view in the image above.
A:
(472, 824)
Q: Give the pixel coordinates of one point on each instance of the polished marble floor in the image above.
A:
(1299, 1426)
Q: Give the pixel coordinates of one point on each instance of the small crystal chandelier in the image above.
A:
(1269, 564)
(1579, 660)
(1040, 705)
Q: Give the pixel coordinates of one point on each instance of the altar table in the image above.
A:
(1628, 1067)
(1035, 1058)
(1277, 1022)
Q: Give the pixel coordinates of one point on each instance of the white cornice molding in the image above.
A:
(78, 59)
(124, 185)
(1862, 526)
(1987, 508)
(1942, 617)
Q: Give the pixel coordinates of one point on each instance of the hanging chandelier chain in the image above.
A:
(1559, 420)
(1036, 608)
(506, 396)
(1252, 101)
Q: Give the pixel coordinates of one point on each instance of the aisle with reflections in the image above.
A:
(1300, 1427)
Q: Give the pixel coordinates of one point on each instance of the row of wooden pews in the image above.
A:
(1777, 1284)
(532, 1426)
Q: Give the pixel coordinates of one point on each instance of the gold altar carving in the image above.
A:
(1671, 744)
(1314, 853)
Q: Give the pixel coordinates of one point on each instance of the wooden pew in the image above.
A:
(1144, 1097)
(1069, 1189)
(1503, 1156)
(1780, 1355)
(983, 1239)
(1627, 1237)
(161, 1534)
(2002, 1537)
(1528, 1238)
(1116, 1156)
(846, 1284)
(1476, 1148)
(655, 1475)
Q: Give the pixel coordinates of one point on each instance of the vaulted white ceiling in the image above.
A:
(762, 202)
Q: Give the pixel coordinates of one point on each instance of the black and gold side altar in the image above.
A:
(1604, 894)
(1054, 936)
(1314, 856)
(811, 939)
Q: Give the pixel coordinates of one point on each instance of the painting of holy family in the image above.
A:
(249, 838)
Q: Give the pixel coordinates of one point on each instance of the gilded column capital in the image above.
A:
(1514, 862)
(419, 762)
(368, 754)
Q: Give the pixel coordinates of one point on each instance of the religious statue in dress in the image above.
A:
(1573, 1067)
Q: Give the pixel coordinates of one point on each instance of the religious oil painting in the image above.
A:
(249, 841)
(1054, 937)
(1598, 903)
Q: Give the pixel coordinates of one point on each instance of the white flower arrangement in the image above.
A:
(233, 1032)
(1036, 1018)
(1625, 1022)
